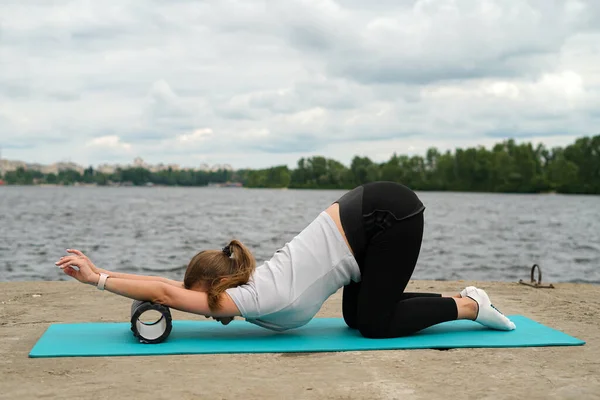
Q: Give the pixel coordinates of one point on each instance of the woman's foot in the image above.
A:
(466, 308)
(487, 314)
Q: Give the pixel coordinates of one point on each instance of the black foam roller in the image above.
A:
(150, 333)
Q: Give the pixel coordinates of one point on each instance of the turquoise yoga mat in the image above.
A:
(321, 334)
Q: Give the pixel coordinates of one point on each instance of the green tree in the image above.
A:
(506, 167)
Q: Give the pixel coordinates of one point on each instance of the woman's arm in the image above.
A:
(177, 298)
(171, 296)
(134, 277)
(120, 274)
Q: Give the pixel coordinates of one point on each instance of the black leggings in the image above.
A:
(383, 222)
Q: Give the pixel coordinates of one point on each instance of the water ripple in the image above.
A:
(157, 231)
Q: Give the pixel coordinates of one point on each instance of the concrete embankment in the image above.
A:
(27, 309)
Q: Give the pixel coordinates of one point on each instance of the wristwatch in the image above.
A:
(102, 281)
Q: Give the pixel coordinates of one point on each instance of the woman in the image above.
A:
(367, 242)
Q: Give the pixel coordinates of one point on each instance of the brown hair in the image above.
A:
(220, 269)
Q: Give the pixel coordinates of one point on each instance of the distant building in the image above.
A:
(218, 167)
(47, 169)
(107, 169)
(9, 166)
(58, 167)
(36, 167)
(158, 167)
(138, 162)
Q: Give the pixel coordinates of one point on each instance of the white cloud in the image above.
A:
(195, 136)
(502, 89)
(291, 78)
(109, 142)
(567, 84)
(255, 133)
(306, 117)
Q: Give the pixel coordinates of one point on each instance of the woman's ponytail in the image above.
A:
(241, 266)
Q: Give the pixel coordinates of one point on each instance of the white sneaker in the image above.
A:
(465, 291)
(488, 315)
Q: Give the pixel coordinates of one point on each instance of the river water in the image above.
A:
(157, 230)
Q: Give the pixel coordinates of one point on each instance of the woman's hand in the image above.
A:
(86, 271)
(80, 254)
(224, 320)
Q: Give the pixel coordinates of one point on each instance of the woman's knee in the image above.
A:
(350, 320)
(373, 328)
(381, 328)
(370, 332)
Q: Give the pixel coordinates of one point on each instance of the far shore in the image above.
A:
(94, 185)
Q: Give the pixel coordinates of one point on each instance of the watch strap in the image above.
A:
(102, 281)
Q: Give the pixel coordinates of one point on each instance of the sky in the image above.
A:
(256, 84)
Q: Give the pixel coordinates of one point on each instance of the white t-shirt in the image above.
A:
(288, 290)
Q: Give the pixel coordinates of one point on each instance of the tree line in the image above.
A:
(135, 176)
(507, 167)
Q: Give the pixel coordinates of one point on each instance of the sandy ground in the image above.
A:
(517, 373)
